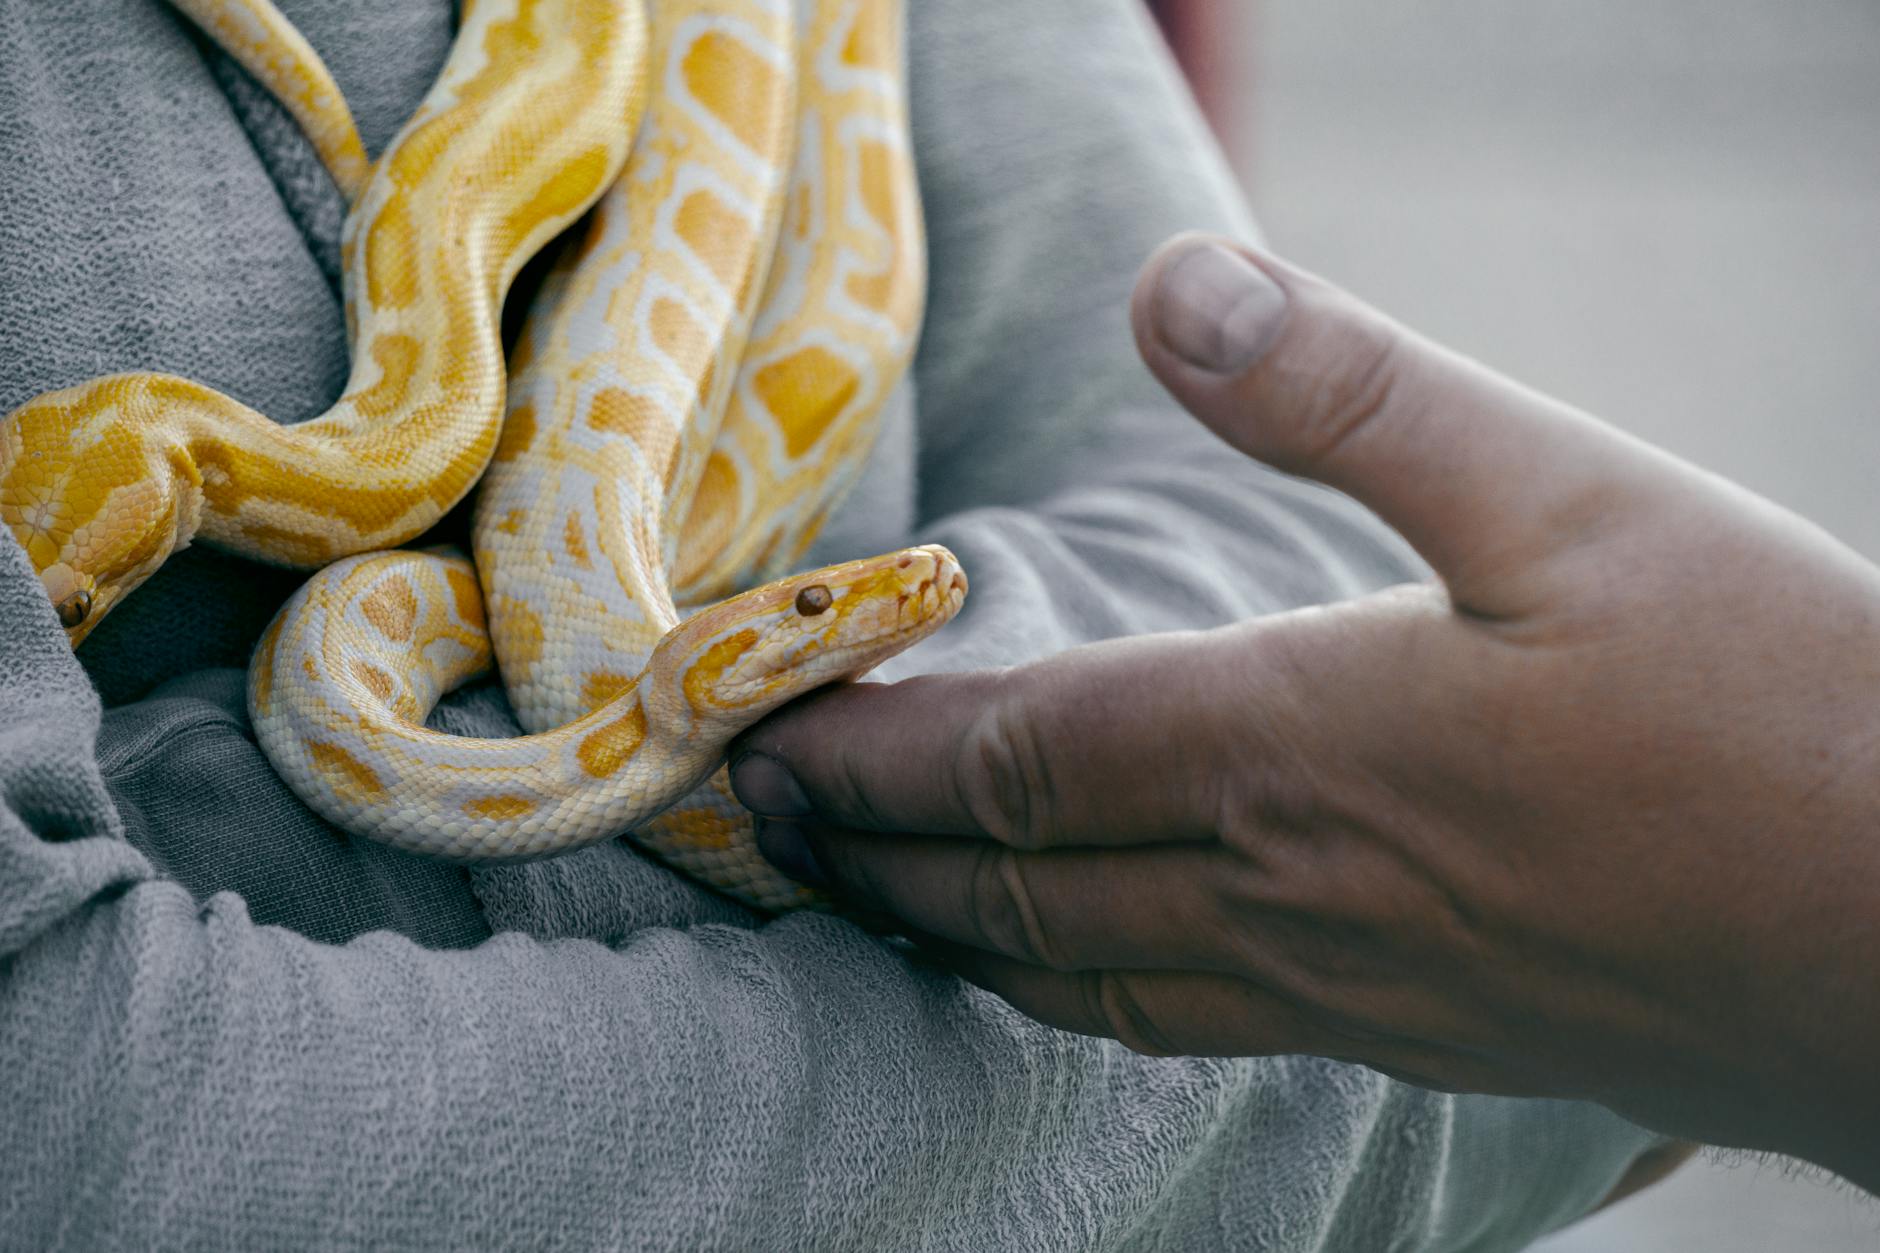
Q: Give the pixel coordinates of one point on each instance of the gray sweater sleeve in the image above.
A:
(173, 1074)
(177, 1076)
(1082, 501)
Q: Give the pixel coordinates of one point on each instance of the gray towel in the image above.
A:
(224, 1024)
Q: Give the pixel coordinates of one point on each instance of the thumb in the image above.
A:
(1485, 477)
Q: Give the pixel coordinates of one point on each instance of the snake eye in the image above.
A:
(74, 609)
(813, 599)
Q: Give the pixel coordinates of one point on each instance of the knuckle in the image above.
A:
(1111, 1001)
(1340, 404)
(1328, 965)
(1003, 908)
(852, 799)
(1003, 775)
(1272, 787)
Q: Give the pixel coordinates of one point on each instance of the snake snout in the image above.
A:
(948, 576)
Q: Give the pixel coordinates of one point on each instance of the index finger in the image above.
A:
(1122, 742)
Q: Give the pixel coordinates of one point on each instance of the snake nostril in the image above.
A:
(74, 609)
(813, 600)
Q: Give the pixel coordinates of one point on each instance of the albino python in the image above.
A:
(695, 387)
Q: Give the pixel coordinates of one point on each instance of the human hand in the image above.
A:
(1597, 815)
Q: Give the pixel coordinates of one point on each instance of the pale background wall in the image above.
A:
(1666, 211)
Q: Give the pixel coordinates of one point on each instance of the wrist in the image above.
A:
(1810, 1058)
(1838, 1028)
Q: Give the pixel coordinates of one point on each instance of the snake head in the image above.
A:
(727, 666)
(97, 500)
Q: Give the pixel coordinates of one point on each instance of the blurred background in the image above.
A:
(1665, 211)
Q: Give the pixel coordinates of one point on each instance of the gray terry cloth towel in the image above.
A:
(224, 1024)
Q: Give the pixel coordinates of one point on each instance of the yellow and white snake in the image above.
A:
(696, 385)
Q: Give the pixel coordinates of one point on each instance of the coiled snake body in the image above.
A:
(696, 384)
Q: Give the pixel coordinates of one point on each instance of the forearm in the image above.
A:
(177, 1075)
(378, 1094)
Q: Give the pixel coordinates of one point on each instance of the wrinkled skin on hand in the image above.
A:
(1595, 813)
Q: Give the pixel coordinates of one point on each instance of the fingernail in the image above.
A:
(765, 787)
(784, 846)
(1216, 310)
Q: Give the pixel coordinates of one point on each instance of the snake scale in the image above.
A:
(695, 386)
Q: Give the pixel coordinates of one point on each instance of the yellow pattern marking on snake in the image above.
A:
(805, 392)
(715, 232)
(605, 751)
(736, 84)
(573, 542)
(679, 335)
(563, 196)
(699, 832)
(872, 43)
(390, 238)
(704, 675)
(397, 355)
(467, 598)
(522, 631)
(346, 770)
(875, 169)
(518, 432)
(713, 515)
(615, 411)
(392, 607)
(499, 808)
(377, 681)
(601, 686)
